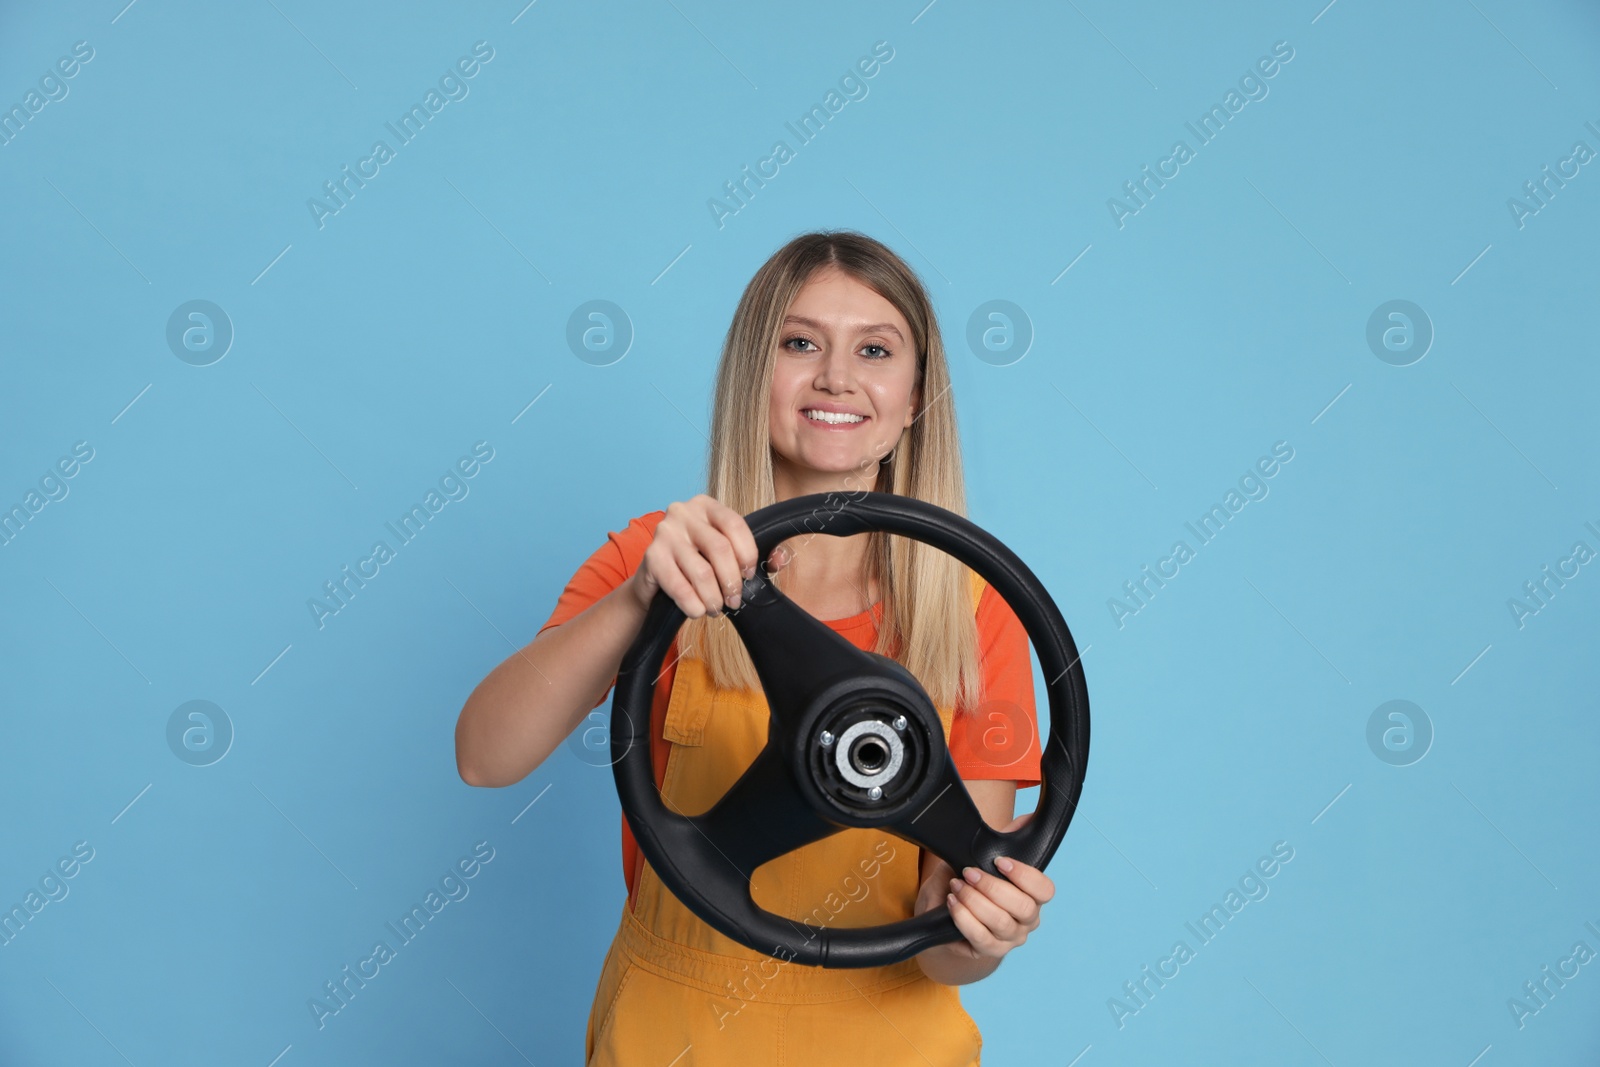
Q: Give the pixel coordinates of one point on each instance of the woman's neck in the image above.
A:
(792, 480)
(824, 575)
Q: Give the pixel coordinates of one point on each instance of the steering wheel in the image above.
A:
(852, 741)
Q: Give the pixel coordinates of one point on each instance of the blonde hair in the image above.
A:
(927, 622)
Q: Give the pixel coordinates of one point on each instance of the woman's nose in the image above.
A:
(834, 372)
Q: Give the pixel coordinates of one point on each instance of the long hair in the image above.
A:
(927, 620)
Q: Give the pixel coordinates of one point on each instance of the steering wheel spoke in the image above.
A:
(795, 656)
(762, 816)
(950, 825)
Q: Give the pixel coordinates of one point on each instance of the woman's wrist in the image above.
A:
(637, 599)
(954, 964)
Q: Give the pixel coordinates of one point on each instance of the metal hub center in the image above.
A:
(869, 756)
(869, 753)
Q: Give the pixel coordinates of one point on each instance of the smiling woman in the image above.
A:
(832, 381)
(844, 386)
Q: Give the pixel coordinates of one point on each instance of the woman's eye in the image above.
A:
(874, 352)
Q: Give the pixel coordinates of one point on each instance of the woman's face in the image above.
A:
(844, 352)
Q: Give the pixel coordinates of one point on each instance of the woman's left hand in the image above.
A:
(994, 915)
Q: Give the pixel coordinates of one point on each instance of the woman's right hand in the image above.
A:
(700, 555)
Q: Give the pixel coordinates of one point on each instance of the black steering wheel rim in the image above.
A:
(774, 806)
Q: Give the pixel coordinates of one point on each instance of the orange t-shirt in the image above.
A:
(1002, 648)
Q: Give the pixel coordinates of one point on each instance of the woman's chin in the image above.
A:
(864, 467)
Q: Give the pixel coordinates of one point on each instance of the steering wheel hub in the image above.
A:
(865, 766)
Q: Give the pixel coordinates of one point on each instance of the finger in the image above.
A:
(1017, 902)
(680, 587)
(1028, 878)
(1000, 922)
(980, 942)
(695, 589)
(717, 550)
(733, 526)
(702, 577)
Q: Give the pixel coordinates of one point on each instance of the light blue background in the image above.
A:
(1229, 313)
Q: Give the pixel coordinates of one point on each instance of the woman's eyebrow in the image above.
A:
(886, 327)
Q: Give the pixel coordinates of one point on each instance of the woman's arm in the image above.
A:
(518, 714)
(994, 915)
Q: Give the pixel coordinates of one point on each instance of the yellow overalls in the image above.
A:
(674, 992)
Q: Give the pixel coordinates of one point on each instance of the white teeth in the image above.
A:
(833, 416)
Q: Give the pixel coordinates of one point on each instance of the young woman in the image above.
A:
(832, 378)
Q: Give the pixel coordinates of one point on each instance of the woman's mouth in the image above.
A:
(832, 420)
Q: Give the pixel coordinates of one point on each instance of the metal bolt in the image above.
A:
(876, 792)
(827, 738)
(899, 723)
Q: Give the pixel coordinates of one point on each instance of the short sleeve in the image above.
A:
(1000, 738)
(606, 568)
